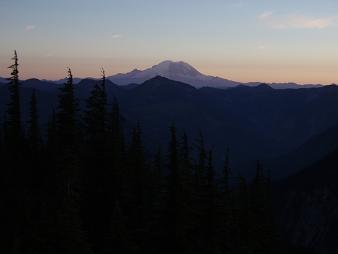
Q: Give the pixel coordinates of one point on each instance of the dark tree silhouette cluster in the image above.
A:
(88, 187)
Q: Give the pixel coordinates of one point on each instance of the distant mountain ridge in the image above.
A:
(184, 72)
(62, 81)
(3, 80)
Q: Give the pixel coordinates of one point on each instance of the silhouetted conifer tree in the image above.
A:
(201, 164)
(174, 204)
(95, 117)
(91, 193)
(210, 216)
(33, 158)
(187, 182)
(67, 116)
(34, 151)
(69, 232)
(51, 143)
(33, 134)
(242, 217)
(14, 183)
(226, 227)
(261, 220)
(117, 150)
(98, 181)
(135, 190)
(13, 125)
(120, 240)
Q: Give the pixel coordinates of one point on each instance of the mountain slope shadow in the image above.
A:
(308, 206)
(304, 156)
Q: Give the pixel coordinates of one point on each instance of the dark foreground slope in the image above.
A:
(309, 206)
(305, 155)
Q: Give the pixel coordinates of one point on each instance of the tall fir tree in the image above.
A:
(67, 136)
(51, 143)
(69, 231)
(201, 163)
(261, 218)
(226, 227)
(242, 218)
(200, 194)
(95, 117)
(13, 125)
(187, 193)
(135, 189)
(97, 180)
(117, 149)
(14, 175)
(33, 124)
(174, 202)
(210, 219)
(67, 116)
(34, 149)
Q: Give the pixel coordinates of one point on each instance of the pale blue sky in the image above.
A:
(245, 40)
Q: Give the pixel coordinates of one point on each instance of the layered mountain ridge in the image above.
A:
(182, 72)
(254, 122)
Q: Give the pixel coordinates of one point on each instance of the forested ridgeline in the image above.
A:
(88, 186)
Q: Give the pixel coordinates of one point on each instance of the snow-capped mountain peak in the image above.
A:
(173, 69)
(178, 71)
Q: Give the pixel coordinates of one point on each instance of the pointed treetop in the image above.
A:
(15, 57)
(103, 74)
(14, 68)
(69, 76)
(103, 77)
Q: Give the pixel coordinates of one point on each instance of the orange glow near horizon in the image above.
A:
(53, 70)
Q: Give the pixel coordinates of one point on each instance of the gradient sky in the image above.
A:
(243, 40)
